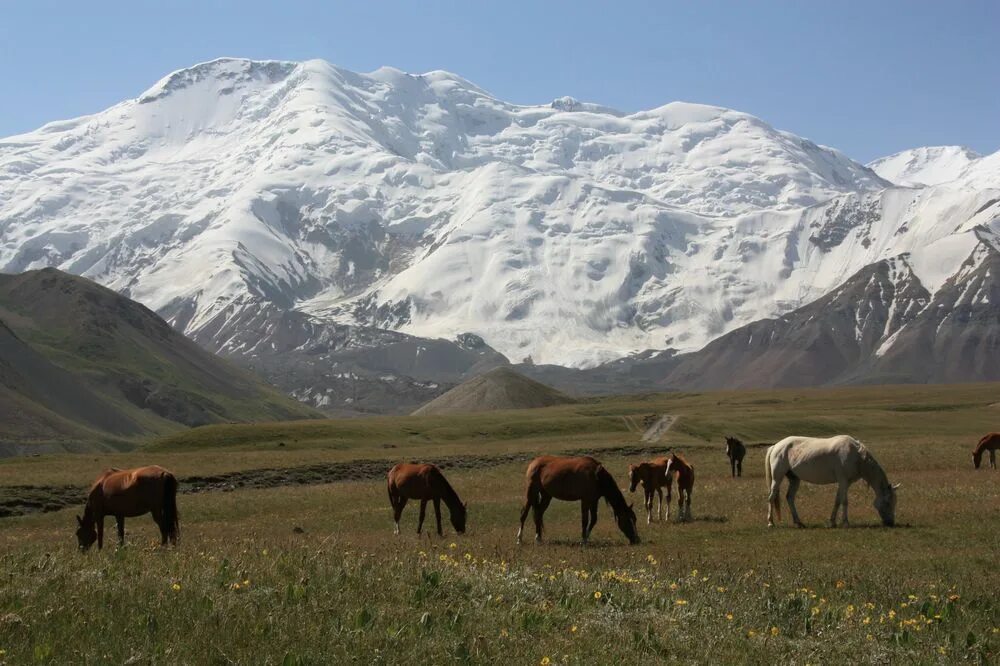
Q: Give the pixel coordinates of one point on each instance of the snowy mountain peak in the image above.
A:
(920, 167)
(237, 190)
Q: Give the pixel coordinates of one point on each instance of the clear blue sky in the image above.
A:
(869, 78)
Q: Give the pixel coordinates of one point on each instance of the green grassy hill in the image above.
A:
(80, 363)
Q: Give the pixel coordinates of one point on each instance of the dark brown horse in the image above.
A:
(582, 480)
(989, 443)
(652, 474)
(426, 483)
(685, 483)
(736, 450)
(126, 494)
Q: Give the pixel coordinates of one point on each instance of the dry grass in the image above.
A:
(245, 587)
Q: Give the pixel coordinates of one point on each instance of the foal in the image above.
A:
(652, 475)
(685, 484)
(989, 443)
(736, 450)
(426, 483)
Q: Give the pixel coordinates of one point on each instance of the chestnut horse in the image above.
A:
(989, 443)
(685, 483)
(426, 483)
(652, 474)
(126, 494)
(736, 450)
(581, 480)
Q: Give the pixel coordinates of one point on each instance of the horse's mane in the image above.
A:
(451, 497)
(982, 442)
(609, 490)
(681, 459)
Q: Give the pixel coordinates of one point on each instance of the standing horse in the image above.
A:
(652, 475)
(840, 459)
(408, 481)
(685, 484)
(736, 450)
(126, 494)
(581, 480)
(989, 443)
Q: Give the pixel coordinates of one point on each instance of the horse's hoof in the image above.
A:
(800, 525)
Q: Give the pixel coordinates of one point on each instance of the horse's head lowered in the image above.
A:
(627, 523)
(458, 517)
(633, 478)
(977, 458)
(86, 533)
(885, 504)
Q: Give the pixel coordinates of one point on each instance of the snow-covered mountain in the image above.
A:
(931, 165)
(236, 193)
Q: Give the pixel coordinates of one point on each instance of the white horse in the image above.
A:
(840, 459)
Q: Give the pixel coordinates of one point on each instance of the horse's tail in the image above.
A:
(170, 515)
(775, 501)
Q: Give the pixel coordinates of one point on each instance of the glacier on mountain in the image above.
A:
(566, 232)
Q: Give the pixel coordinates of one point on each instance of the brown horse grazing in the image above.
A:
(736, 450)
(652, 474)
(126, 494)
(408, 481)
(685, 483)
(989, 443)
(581, 480)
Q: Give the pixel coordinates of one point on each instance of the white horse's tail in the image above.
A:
(775, 501)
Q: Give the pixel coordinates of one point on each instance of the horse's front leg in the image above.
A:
(584, 519)
(739, 468)
(121, 530)
(437, 515)
(659, 506)
(669, 499)
(593, 516)
(100, 531)
(423, 513)
(649, 504)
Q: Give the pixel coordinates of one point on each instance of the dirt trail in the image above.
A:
(21, 500)
(656, 431)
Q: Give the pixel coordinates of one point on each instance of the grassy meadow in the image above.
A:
(311, 573)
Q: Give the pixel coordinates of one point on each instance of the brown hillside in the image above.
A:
(500, 388)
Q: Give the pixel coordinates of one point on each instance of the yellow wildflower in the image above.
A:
(720, 589)
(840, 584)
(503, 633)
(681, 602)
(775, 631)
(453, 545)
(751, 633)
(176, 587)
(870, 637)
(892, 614)
(597, 594)
(572, 629)
(867, 620)
(673, 586)
(545, 661)
(729, 616)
